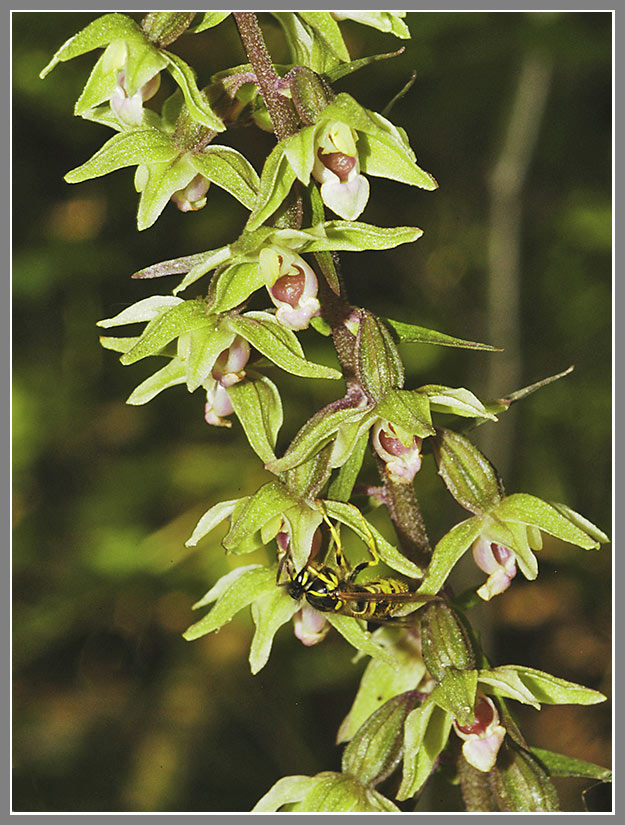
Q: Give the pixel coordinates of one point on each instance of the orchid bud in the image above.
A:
(310, 626)
(218, 405)
(483, 737)
(337, 169)
(192, 197)
(229, 366)
(293, 291)
(499, 562)
(402, 461)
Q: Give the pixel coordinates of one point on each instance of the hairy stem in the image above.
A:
(282, 114)
(405, 513)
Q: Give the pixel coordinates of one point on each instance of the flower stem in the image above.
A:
(282, 114)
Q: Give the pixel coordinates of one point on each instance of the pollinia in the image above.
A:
(429, 699)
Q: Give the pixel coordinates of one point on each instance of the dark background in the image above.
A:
(112, 710)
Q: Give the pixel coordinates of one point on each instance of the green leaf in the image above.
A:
(328, 30)
(381, 681)
(287, 790)
(351, 516)
(269, 613)
(425, 735)
(245, 589)
(468, 474)
(447, 552)
(459, 401)
(558, 764)
(209, 19)
(413, 334)
(354, 632)
(125, 149)
(382, 156)
(279, 344)
(375, 750)
(175, 372)
(211, 518)
(527, 509)
(97, 34)
(183, 317)
(276, 181)
(408, 409)
(196, 100)
(230, 170)
(456, 694)
(144, 310)
(257, 404)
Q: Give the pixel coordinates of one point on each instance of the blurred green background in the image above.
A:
(112, 710)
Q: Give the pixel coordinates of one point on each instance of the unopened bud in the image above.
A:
(309, 92)
(445, 641)
(520, 783)
(163, 27)
(193, 196)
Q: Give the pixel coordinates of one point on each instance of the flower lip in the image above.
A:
(337, 162)
(289, 288)
(484, 715)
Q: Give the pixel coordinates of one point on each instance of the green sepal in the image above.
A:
(306, 45)
(344, 69)
(270, 500)
(230, 170)
(211, 518)
(117, 344)
(557, 520)
(303, 522)
(160, 183)
(234, 285)
(378, 362)
(204, 346)
(531, 686)
(195, 99)
(375, 750)
(354, 632)
(382, 156)
(186, 264)
(269, 612)
(342, 485)
(276, 181)
(407, 409)
(98, 34)
(309, 478)
(425, 735)
(209, 19)
(351, 516)
(257, 405)
(468, 474)
(381, 681)
(279, 344)
(342, 793)
(286, 791)
(447, 552)
(173, 373)
(328, 30)
(515, 536)
(354, 236)
(384, 21)
(456, 694)
(184, 317)
(413, 334)
(299, 150)
(457, 401)
(239, 591)
(315, 434)
(145, 146)
(557, 764)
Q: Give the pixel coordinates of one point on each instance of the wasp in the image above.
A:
(331, 590)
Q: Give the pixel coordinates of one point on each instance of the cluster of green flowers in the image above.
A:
(435, 678)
